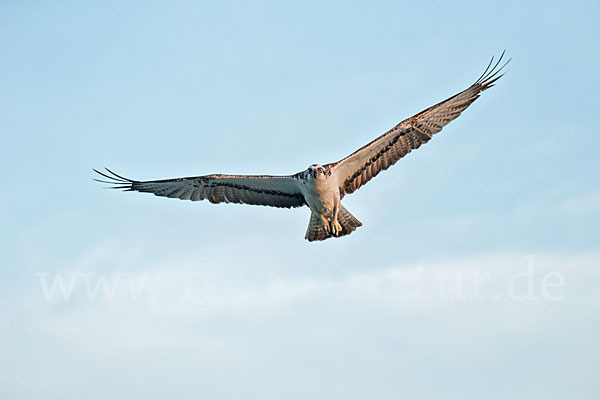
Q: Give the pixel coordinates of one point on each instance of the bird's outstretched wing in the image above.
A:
(365, 163)
(263, 190)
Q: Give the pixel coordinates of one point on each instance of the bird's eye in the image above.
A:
(320, 170)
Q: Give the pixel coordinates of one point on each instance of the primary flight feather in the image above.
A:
(320, 187)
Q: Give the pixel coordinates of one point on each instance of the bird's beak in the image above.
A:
(314, 173)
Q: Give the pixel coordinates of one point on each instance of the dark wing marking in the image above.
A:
(383, 152)
(263, 190)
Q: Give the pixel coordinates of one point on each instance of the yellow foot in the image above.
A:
(336, 228)
(326, 225)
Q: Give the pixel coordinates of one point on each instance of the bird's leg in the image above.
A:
(335, 225)
(326, 225)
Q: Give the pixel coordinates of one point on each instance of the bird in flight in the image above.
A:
(320, 187)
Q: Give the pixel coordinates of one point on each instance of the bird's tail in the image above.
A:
(315, 230)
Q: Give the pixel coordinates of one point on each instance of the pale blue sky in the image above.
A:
(246, 308)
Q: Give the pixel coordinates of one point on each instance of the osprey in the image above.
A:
(320, 187)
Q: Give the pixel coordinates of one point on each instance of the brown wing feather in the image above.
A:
(264, 190)
(383, 152)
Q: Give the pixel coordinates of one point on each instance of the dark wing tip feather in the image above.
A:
(117, 181)
(490, 75)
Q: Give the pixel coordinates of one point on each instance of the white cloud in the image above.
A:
(194, 291)
(215, 321)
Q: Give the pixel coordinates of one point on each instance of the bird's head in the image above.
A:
(318, 172)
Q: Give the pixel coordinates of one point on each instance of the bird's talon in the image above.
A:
(326, 224)
(336, 228)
